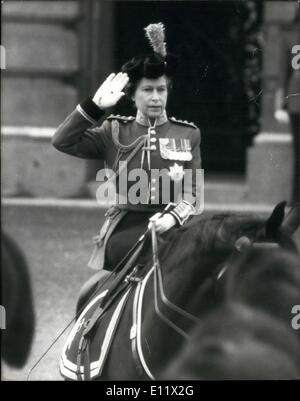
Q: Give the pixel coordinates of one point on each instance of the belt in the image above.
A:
(142, 208)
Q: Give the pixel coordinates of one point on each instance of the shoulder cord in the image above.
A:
(134, 146)
(147, 148)
(115, 136)
(147, 145)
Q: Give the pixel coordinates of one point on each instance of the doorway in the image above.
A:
(210, 88)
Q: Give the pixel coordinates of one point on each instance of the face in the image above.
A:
(151, 96)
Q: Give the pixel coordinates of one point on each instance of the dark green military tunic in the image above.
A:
(163, 152)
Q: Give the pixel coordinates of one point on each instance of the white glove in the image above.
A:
(110, 92)
(282, 116)
(163, 223)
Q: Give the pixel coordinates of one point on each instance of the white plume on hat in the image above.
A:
(156, 36)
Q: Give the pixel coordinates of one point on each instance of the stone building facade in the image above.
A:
(54, 58)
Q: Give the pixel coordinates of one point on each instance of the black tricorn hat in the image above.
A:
(152, 65)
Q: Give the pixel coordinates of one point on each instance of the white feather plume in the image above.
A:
(156, 36)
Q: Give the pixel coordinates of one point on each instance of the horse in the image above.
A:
(132, 327)
(237, 342)
(250, 335)
(17, 300)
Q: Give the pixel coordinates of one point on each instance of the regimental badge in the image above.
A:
(175, 149)
(176, 172)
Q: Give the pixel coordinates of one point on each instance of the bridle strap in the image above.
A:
(116, 269)
(117, 287)
(159, 291)
(159, 287)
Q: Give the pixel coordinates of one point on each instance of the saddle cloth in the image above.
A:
(99, 349)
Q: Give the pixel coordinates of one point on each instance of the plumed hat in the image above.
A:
(152, 65)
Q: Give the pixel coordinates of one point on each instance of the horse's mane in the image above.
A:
(208, 234)
(199, 250)
(217, 234)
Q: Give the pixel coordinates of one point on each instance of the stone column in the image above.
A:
(99, 38)
(269, 159)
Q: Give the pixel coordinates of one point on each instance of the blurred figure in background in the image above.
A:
(17, 299)
(287, 99)
(236, 342)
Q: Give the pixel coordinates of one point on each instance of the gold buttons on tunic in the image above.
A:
(153, 147)
(153, 140)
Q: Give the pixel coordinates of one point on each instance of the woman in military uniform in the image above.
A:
(161, 149)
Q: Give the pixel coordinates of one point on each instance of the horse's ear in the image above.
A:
(292, 220)
(275, 220)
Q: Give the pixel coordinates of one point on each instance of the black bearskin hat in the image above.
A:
(152, 65)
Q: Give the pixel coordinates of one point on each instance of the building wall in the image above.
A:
(54, 58)
(270, 159)
(51, 63)
(56, 53)
(42, 61)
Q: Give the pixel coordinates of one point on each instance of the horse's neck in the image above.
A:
(190, 264)
(296, 238)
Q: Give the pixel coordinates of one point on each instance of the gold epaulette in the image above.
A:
(124, 119)
(181, 122)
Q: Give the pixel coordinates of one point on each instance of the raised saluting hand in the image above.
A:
(111, 91)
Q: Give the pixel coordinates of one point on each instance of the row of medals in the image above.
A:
(175, 149)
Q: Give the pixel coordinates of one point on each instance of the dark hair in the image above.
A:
(132, 86)
(150, 66)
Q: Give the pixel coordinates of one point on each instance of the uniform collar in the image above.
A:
(142, 120)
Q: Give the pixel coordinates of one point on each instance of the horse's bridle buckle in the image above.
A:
(132, 276)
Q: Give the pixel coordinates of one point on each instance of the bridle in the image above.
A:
(159, 291)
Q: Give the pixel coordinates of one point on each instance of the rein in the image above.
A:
(116, 269)
(159, 291)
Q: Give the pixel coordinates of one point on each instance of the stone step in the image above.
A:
(31, 167)
(218, 189)
(225, 189)
(98, 209)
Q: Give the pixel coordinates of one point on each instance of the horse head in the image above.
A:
(204, 246)
(248, 335)
(193, 256)
(240, 231)
(267, 277)
(236, 342)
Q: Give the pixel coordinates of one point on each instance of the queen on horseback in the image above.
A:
(161, 153)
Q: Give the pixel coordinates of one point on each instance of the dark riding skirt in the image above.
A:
(128, 231)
